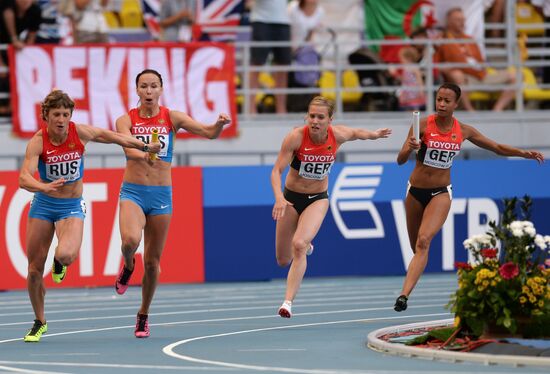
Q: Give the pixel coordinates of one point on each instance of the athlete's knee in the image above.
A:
(130, 243)
(423, 244)
(35, 271)
(283, 261)
(151, 266)
(66, 258)
(299, 245)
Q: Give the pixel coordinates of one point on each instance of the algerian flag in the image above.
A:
(390, 19)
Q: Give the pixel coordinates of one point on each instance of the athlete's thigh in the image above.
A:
(284, 232)
(39, 237)
(131, 219)
(311, 220)
(435, 215)
(69, 234)
(156, 232)
(414, 212)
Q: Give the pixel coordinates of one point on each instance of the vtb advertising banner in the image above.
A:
(365, 229)
(198, 79)
(100, 256)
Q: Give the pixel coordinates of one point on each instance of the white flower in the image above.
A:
(540, 242)
(517, 232)
(515, 225)
(527, 224)
(468, 243)
(547, 239)
(529, 230)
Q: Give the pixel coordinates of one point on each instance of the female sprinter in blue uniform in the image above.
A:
(57, 151)
(146, 193)
(301, 208)
(429, 191)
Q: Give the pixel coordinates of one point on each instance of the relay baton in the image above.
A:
(416, 125)
(154, 139)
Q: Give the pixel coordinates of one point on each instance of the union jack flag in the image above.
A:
(218, 13)
(208, 13)
(151, 9)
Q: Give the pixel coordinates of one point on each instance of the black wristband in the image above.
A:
(145, 148)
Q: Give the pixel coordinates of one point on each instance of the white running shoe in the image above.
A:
(310, 249)
(285, 310)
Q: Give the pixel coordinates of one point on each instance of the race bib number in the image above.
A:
(315, 170)
(69, 170)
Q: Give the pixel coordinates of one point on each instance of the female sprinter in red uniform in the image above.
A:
(301, 208)
(429, 190)
(57, 152)
(146, 192)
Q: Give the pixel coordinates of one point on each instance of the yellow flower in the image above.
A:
(493, 283)
(540, 303)
(522, 299)
(480, 288)
(532, 299)
(525, 289)
(485, 283)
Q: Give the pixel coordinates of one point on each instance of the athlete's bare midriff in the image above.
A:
(429, 177)
(67, 191)
(142, 172)
(302, 185)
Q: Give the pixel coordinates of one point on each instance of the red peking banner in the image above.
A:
(198, 79)
(100, 257)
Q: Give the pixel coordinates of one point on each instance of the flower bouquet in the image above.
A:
(506, 283)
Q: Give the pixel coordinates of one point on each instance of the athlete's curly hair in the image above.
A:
(56, 99)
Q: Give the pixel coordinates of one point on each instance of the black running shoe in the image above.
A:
(400, 303)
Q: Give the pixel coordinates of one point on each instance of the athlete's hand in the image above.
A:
(534, 155)
(413, 143)
(382, 133)
(223, 119)
(53, 186)
(279, 208)
(154, 147)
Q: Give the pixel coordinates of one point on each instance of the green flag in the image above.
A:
(390, 19)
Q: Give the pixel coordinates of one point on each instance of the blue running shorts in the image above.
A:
(152, 200)
(54, 209)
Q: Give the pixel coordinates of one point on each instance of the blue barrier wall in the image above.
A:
(364, 232)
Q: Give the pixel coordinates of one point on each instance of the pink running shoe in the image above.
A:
(121, 284)
(142, 326)
(285, 310)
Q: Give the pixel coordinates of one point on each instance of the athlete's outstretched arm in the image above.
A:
(90, 133)
(345, 134)
(290, 144)
(484, 142)
(181, 120)
(28, 169)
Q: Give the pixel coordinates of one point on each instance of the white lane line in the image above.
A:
(365, 291)
(273, 350)
(169, 349)
(65, 354)
(49, 335)
(118, 366)
(18, 370)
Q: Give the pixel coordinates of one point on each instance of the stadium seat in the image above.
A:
(112, 19)
(130, 14)
(531, 90)
(527, 14)
(350, 81)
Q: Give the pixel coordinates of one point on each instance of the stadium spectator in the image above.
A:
(175, 19)
(543, 7)
(89, 23)
(49, 31)
(469, 53)
(410, 97)
(305, 17)
(270, 23)
(16, 17)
